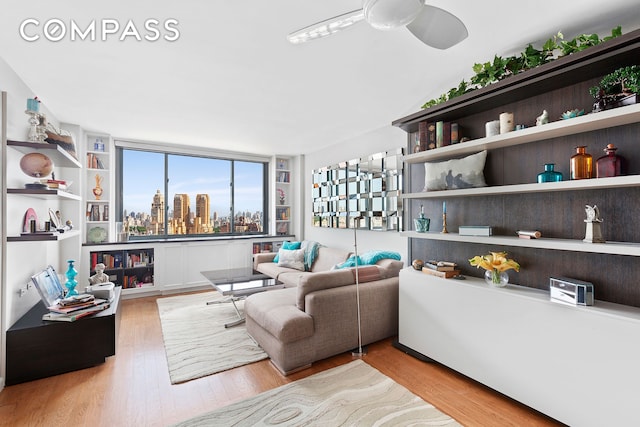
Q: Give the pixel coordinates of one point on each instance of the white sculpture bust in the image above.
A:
(100, 276)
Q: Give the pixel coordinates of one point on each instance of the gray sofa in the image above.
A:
(325, 260)
(315, 317)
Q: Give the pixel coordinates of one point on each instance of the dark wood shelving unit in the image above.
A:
(562, 72)
(38, 348)
(58, 155)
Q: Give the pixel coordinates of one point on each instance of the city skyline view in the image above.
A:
(199, 195)
(192, 176)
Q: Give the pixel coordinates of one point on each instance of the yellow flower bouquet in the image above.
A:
(495, 263)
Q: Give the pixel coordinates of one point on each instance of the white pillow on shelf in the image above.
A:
(467, 172)
(291, 258)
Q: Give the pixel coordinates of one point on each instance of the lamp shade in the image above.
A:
(390, 14)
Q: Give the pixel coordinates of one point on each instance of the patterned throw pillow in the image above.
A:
(467, 172)
(287, 245)
(291, 258)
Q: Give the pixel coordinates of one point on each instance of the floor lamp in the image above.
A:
(359, 352)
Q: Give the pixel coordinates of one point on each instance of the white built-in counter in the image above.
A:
(577, 364)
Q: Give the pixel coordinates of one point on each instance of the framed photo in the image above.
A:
(95, 213)
(56, 222)
(48, 286)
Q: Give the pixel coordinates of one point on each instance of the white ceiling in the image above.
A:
(232, 81)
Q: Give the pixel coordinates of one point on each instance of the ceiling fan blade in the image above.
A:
(438, 28)
(326, 27)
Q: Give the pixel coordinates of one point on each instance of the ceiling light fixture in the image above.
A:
(326, 27)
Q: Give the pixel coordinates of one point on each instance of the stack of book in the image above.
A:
(55, 184)
(75, 307)
(444, 269)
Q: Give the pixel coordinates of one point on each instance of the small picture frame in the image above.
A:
(95, 213)
(56, 223)
(48, 285)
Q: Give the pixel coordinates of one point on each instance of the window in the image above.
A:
(168, 194)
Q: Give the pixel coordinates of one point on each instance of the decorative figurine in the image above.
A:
(543, 118)
(593, 233)
(100, 276)
(97, 190)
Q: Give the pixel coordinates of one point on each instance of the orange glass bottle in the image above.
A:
(581, 164)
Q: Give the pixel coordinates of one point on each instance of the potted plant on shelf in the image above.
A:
(281, 196)
(496, 265)
(617, 89)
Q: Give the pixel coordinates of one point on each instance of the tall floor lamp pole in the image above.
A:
(360, 351)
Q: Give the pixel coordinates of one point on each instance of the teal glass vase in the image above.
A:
(421, 224)
(549, 175)
(71, 282)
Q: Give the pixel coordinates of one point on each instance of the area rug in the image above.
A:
(195, 339)
(354, 394)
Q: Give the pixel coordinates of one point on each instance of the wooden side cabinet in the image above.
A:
(38, 349)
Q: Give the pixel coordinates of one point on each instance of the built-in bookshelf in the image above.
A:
(283, 196)
(130, 269)
(98, 188)
(267, 246)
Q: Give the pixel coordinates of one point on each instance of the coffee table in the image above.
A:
(237, 284)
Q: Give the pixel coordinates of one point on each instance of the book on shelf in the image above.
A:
(431, 135)
(475, 230)
(443, 274)
(94, 162)
(440, 265)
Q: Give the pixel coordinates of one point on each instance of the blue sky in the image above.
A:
(144, 171)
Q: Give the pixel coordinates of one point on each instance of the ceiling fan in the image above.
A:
(433, 26)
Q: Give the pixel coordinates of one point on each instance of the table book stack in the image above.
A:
(75, 307)
(443, 269)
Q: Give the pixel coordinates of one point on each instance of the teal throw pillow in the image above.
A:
(290, 246)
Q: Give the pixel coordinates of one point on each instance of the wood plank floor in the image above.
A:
(133, 388)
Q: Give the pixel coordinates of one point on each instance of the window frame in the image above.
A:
(167, 150)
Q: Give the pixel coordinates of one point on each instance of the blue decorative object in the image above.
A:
(572, 113)
(549, 175)
(369, 258)
(310, 253)
(288, 246)
(421, 224)
(71, 279)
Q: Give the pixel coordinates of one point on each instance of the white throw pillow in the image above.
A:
(467, 172)
(291, 258)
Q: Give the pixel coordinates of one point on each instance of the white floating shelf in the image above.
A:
(580, 184)
(587, 123)
(613, 248)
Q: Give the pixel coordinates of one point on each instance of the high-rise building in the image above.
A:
(157, 213)
(202, 209)
(181, 212)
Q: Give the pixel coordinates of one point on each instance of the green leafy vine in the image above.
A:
(501, 68)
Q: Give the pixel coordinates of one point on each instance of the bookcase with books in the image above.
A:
(98, 188)
(129, 268)
(283, 197)
(264, 247)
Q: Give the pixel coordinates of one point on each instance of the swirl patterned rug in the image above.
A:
(196, 342)
(354, 394)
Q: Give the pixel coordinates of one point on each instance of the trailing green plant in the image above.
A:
(500, 68)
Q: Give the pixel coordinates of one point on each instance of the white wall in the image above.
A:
(22, 259)
(383, 139)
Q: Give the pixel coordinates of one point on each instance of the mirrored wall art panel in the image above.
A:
(363, 193)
